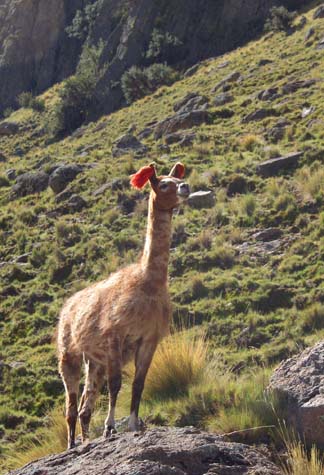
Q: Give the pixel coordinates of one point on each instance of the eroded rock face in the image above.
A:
(37, 52)
(300, 381)
(160, 451)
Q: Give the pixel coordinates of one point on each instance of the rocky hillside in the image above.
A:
(40, 42)
(247, 252)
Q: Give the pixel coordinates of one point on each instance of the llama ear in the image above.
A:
(139, 179)
(178, 171)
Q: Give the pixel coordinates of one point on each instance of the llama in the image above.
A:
(124, 316)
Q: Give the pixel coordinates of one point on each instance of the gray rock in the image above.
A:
(29, 183)
(191, 102)
(62, 176)
(126, 144)
(259, 114)
(222, 99)
(63, 196)
(293, 86)
(8, 128)
(310, 32)
(201, 199)
(269, 234)
(74, 204)
(268, 94)
(320, 44)
(143, 134)
(11, 174)
(307, 111)
(232, 77)
(191, 71)
(300, 382)
(277, 132)
(274, 165)
(319, 12)
(180, 121)
(180, 138)
(159, 451)
(264, 62)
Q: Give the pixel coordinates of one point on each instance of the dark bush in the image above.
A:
(26, 99)
(77, 95)
(139, 82)
(280, 19)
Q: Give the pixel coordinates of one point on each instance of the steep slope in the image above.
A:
(40, 42)
(249, 268)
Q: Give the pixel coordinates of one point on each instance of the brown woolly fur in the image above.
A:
(121, 317)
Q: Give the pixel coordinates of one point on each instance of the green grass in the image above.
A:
(256, 305)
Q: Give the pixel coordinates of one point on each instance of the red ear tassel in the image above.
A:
(180, 170)
(139, 179)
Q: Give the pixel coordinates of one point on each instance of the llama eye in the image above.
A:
(163, 186)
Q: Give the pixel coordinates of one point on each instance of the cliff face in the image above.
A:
(36, 51)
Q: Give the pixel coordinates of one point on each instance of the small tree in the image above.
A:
(77, 94)
(139, 82)
(26, 99)
(280, 19)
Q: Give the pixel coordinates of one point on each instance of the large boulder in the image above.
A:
(179, 121)
(299, 381)
(128, 143)
(29, 183)
(160, 451)
(202, 199)
(275, 165)
(62, 176)
(8, 128)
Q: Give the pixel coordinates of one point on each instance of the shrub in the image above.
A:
(139, 82)
(179, 362)
(4, 181)
(26, 99)
(280, 19)
(310, 182)
(313, 318)
(162, 45)
(77, 95)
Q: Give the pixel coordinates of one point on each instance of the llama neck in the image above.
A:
(156, 252)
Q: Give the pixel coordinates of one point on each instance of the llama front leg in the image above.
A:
(93, 383)
(143, 360)
(114, 365)
(70, 368)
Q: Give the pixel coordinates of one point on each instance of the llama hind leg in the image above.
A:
(143, 360)
(114, 365)
(94, 379)
(70, 368)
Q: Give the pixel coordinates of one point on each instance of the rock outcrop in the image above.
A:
(36, 49)
(300, 382)
(161, 451)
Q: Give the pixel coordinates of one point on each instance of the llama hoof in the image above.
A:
(109, 432)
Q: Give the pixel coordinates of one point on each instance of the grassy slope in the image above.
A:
(213, 281)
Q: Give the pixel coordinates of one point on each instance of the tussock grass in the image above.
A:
(299, 460)
(180, 362)
(51, 440)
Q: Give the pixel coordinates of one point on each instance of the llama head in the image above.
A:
(167, 190)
